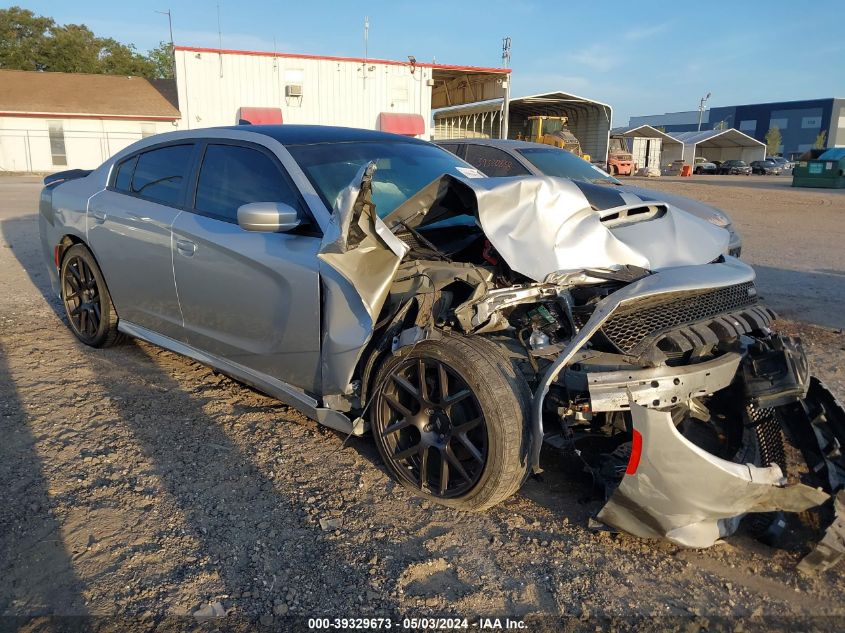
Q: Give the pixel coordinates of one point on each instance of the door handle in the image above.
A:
(186, 247)
(99, 216)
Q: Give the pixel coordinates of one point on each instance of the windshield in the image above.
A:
(402, 169)
(562, 164)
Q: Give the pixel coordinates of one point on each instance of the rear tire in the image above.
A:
(85, 297)
(450, 421)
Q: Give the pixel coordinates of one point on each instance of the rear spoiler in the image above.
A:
(70, 174)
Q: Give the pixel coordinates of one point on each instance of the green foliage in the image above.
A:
(820, 141)
(773, 141)
(33, 42)
(161, 58)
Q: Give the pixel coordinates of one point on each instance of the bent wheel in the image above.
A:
(449, 421)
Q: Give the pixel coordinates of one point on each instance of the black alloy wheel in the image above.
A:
(86, 299)
(432, 427)
(82, 298)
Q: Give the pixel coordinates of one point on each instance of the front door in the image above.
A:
(251, 298)
(129, 234)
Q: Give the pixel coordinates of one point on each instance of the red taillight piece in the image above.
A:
(56, 255)
(636, 452)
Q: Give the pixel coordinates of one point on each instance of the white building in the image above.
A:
(54, 121)
(213, 85)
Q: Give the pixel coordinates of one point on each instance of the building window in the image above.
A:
(749, 125)
(778, 123)
(811, 122)
(57, 142)
(148, 129)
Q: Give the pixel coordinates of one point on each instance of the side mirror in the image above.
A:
(268, 217)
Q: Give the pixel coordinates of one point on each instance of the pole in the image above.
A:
(506, 97)
(701, 109)
(169, 24)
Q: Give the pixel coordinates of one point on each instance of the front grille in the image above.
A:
(634, 322)
(769, 436)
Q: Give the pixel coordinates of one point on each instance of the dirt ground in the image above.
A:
(138, 484)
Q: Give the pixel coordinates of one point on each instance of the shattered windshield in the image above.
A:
(562, 164)
(402, 169)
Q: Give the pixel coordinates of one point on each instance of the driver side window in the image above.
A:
(232, 175)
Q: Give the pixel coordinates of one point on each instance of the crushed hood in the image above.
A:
(542, 225)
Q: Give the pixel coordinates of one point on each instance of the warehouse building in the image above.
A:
(588, 120)
(55, 121)
(800, 122)
(221, 87)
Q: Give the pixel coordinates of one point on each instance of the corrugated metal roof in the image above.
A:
(717, 138)
(30, 93)
(643, 131)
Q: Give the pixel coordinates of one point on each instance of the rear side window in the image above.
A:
(232, 176)
(451, 147)
(123, 177)
(493, 161)
(160, 174)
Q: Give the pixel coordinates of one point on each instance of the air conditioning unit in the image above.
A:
(293, 90)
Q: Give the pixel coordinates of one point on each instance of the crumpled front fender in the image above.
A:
(675, 490)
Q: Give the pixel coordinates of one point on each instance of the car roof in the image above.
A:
(493, 142)
(288, 134)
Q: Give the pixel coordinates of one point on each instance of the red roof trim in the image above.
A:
(68, 115)
(360, 60)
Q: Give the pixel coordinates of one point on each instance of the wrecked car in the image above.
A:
(382, 286)
(506, 157)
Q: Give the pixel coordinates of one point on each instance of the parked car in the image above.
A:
(733, 167)
(378, 282)
(499, 157)
(703, 166)
(765, 168)
(785, 165)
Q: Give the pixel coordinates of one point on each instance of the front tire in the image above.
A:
(88, 307)
(450, 422)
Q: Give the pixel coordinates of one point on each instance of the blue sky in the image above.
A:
(641, 57)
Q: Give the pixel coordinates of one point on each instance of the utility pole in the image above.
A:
(172, 46)
(506, 85)
(170, 24)
(701, 109)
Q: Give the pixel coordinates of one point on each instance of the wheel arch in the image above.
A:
(65, 243)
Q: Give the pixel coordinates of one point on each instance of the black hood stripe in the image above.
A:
(600, 197)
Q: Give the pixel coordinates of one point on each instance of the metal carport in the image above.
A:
(722, 145)
(650, 147)
(589, 120)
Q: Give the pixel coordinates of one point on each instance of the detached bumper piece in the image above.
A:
(675, 490)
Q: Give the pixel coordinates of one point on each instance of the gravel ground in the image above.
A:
(139, 484)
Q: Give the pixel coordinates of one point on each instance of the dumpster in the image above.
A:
(828, 170)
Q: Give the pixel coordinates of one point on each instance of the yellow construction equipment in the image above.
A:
(552, 130)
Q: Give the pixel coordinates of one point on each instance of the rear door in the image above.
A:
(129, 233)
(248, 297)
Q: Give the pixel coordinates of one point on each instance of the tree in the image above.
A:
(71, 48)
(23, 36)
(821, 139)
(122, 59)
(773, 141)
(161, 58)
(33, 42)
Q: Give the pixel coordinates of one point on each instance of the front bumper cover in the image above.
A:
(681, 492)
